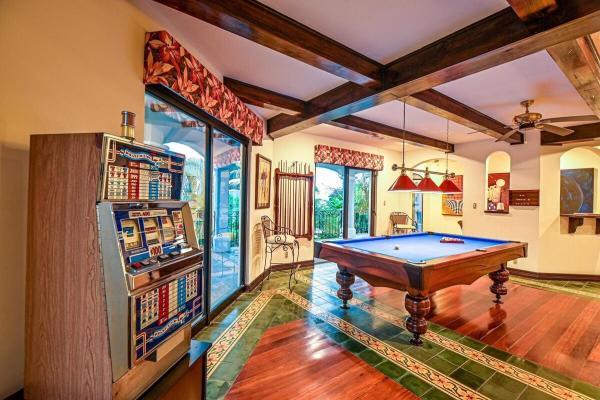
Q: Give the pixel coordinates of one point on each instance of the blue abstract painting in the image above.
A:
(577, 188)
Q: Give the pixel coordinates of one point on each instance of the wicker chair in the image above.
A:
(277, 237)
(400, 223)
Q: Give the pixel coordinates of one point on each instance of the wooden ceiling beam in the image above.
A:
(495, 40)
(276, 101)
(446, 107)
(265, 98)
(579, 60)
(265, 26)
(583, 133)
(362, 125)
(528, 9)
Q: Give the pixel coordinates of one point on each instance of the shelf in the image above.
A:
(576, 220)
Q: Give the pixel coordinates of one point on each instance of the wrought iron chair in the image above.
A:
(400, 223)
(277, 237)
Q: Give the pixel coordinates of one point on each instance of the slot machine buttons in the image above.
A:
(163, 257)
(174, 253)
(146, 263)
(136, 265)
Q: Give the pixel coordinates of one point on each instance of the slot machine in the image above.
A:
(114, 267)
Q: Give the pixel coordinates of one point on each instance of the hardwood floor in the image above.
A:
(556, 330)
(296, 360)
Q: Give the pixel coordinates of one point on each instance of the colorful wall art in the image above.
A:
(263, 182)
(498, 192)
(452, 204)
(577, 188)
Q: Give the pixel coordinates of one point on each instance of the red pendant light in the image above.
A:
(447, 186)
(427, 185)
(403, 184)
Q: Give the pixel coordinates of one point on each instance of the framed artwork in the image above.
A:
(498, 195)
(577, 190)
(452, 204)
(262, 189)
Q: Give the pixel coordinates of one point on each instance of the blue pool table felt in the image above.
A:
(419, 247)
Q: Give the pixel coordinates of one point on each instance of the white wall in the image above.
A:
(469, 159)
(561, 252)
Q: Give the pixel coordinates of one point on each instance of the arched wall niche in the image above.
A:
(580, 180)
(497, 179)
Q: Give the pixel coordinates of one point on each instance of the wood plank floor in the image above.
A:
(556, 330)
(295, 360)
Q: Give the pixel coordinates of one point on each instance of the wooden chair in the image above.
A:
(279, 237)
(401, 223)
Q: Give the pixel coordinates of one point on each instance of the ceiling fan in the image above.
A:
(532, 120)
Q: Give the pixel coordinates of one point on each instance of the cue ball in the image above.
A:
(397, 247)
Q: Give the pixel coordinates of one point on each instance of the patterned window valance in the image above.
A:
(169, 64)
(347, 157)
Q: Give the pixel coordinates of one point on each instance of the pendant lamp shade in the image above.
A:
(449, 187)
(427, 185)
(403, 184)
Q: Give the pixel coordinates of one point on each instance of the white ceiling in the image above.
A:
(382, 30)
(386, 29)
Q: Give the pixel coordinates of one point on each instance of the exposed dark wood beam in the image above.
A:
(269, 99)
(497, 39)
(362, 125)
(580, 62)
(527, 9)
(263, 25)
(265, 98)
(583, 133)
(439, 104)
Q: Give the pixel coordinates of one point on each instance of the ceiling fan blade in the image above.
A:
(508, 134)
(574, 118)
(557, 130)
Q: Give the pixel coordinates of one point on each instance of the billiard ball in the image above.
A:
(397, 247)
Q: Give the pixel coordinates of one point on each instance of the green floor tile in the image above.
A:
(442, 365)
(436, 394)
(478, 369)
(353, 346)
(554, 376)
(502, 387)
(416, 385)
(216, 389)
(453, 357)
(390, 369)
(227, 371)
(467, 378)
(494, 352)
(534, 394)
(370, 356)
(523, 364)
(587, 389)
(474, 344)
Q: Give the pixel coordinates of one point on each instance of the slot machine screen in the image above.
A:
(168, 229)
(131, 234)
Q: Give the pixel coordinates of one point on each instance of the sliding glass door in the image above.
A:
(226, 255)
(343, 205)
(213, 184)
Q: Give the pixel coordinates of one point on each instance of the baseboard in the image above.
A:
(553, 276)
(278, 267)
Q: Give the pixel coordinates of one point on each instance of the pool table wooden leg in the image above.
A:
(345, 279)
(418, 307)
(499, 277)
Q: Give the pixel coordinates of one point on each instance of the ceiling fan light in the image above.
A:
(427, 185)
(449, 187)
(403, 184)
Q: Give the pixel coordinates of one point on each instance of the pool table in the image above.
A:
(420, 264)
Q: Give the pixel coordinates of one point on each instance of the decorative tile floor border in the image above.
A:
(444, 383)
(555, 287)
(505, 368)
(230, 336)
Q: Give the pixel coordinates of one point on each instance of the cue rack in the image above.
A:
(294, 198)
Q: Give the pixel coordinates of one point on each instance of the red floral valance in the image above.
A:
(168, 63)
(347, 157)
